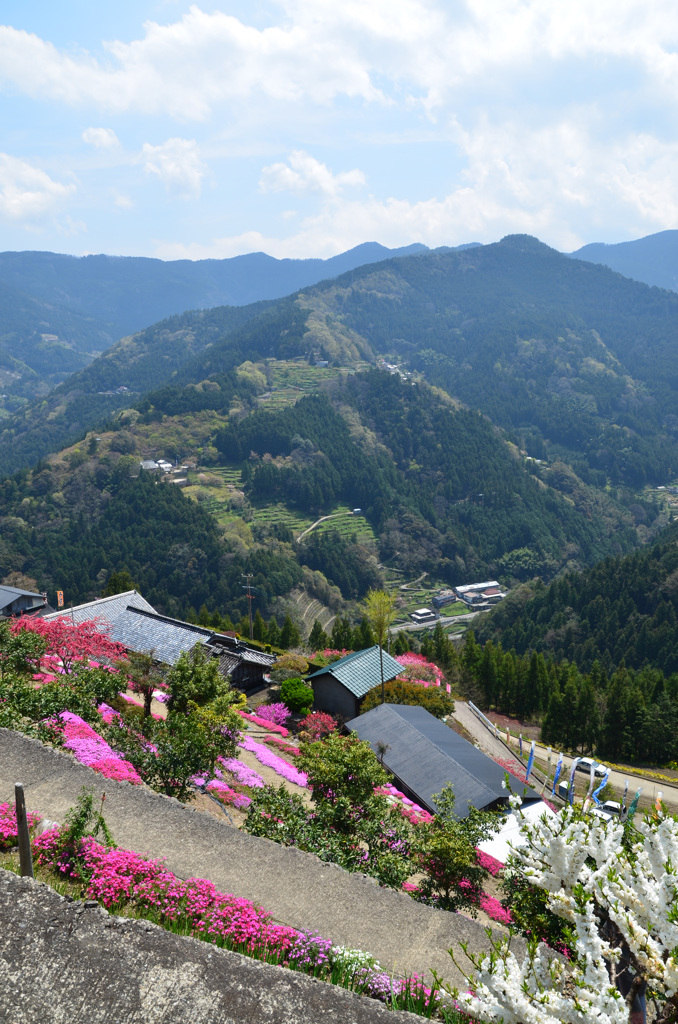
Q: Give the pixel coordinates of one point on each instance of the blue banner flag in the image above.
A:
(530, 761)
(601, 787)
(559, 768)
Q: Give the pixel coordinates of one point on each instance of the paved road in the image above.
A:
(497, 748)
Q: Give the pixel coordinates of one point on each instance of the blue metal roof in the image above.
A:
(360, 671)
(423, 753)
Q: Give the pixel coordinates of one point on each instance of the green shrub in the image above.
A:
(297, 695)
(397, 692)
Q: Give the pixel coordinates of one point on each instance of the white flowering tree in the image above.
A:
(619, 895)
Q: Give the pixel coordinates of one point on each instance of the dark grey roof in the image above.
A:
(359, 672)
(139, 630)
(424, 753)
(10, 594)
(105, 609)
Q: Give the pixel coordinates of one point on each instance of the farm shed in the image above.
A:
(341, 686)
(423, 754)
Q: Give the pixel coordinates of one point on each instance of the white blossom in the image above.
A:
(614, 894)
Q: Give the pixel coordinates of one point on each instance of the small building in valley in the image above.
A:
(341, 687)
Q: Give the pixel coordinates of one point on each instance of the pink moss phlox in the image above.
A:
(271, 726)
(90, 749)
(8, 826)
(229, 796)
(245, 775)
(494, 909)
(488, 862)
(279, 743)
(271, 760)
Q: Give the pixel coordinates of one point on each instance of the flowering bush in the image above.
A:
(277, 713)
(271, 760)
(317, 724)
(615, 889)
(418, 669)
(8, 826)
(488, 862)
(223, 792)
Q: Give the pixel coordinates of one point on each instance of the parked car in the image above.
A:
(585, 766)
(612, 807)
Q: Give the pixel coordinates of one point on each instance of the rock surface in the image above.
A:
(73, 963)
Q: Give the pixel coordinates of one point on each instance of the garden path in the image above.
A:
(297, 888)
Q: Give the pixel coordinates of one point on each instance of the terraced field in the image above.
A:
(292, 380)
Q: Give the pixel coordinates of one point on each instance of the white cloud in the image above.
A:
(555, 183)
(303, 173)
(26, 193)
(101, 138)
(177, 163)
(369, 50)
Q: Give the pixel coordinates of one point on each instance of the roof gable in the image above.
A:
(360, 671)
(104, 609)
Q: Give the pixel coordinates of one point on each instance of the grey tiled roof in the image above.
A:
(139, 630)
(105, 610)
(424, 753)
(10, 594)
(359, 672)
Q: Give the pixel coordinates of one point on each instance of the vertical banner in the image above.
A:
(520, 743)
(548, 770)
(448, 687)
(658, 801)
(60, 598)
(589, 791)
(508, 737)
(634, 804)
(570, 787)
(601, 787)
(559, 768)
(623, 803)
(530, 761)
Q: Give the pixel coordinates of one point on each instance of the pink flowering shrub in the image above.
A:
(494, 909)
(276, 713)
(419, 670)
(8, 827)
(318, 724)
(271, 760)
(222, 791)
(264, 724)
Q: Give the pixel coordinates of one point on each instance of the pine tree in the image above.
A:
(318, 640)
(259, 628)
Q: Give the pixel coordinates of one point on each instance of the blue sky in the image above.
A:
(304, 127)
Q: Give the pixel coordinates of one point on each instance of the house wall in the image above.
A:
(330, 695)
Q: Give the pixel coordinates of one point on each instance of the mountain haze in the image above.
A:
(653, 259)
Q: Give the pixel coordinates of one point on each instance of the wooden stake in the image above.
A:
(25, 856)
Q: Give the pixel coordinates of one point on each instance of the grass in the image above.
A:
(293, 380)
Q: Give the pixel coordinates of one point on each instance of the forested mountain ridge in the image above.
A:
(412, 461)
(653, 259)
(132, 292)
(576, 362)
(623, 609)
(41, 343)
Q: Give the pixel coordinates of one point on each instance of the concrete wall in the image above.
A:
(297, 888)
(65, 962)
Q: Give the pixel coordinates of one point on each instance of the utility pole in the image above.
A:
(249, 576)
